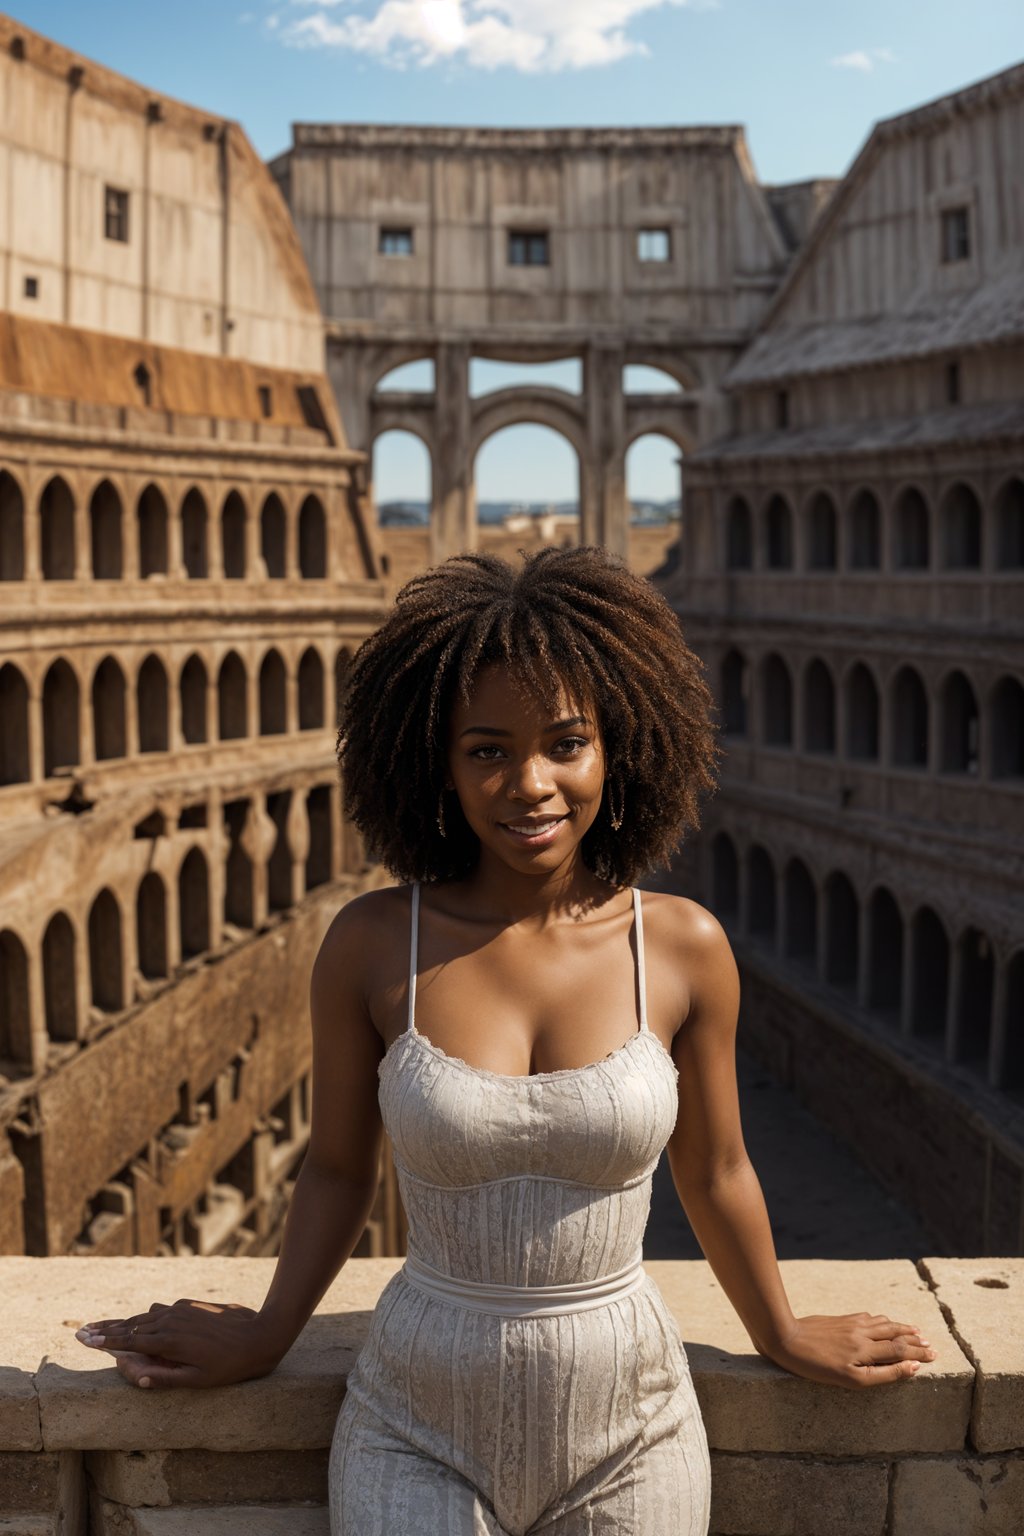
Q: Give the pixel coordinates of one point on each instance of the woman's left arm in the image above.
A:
(722, 1197)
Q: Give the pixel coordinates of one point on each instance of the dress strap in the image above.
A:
(414, 946)
(641, 970)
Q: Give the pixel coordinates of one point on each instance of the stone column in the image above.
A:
(605, 407)
(1000, 1023)
(130, 542)
(956, 968)
(35, 733)
(453, 505)
(83, 542)
(215, 536)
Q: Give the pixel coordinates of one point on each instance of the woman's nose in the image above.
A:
(532, 780)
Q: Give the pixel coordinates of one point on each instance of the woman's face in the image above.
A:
(529, 779)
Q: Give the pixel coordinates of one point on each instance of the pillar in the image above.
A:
(453, 505)
(605, 408)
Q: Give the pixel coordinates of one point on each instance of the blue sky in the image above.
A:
(806, 77)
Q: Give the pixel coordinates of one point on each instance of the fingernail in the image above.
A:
(144, 1381)
(925, 1342)
(915, 1366)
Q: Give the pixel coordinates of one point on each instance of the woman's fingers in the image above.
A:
(156, 1371)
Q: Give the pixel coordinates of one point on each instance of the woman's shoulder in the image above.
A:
(685, 929)
(367, 933)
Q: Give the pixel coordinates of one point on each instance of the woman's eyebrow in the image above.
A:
(496, 730)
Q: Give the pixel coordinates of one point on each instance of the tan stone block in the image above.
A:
(242, 1520)
(168, 1478)
(19, 1409)
(785, 1496)
(29, 1482)
(983, 1300)
(751, 1404)
(958, 1496)
(29, 1525)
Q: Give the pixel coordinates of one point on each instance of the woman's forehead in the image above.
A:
(505, 691)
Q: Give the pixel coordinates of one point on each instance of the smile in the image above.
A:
(534, 832)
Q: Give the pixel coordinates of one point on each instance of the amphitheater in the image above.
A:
(194, 354)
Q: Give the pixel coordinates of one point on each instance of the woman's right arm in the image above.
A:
(195, 1343)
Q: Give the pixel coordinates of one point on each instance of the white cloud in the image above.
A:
(866, 60)
(528, 35)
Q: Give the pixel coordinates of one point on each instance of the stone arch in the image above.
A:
(234, 537)
(61, 711)
(192, 693)
(819, 710)
(151, 926)
(14, 760)
(885, 954)
(912, 542)
(57, 530)
(864, 546)
(110, 736)
(151, 703)
(151, 516)
(652, 438)
(930, 971)
(393, 426)
(682, 369)
(194, 904)
(842, 933)
(538, 407)
(15, 1019)
(909, 719)
(273, 695)
(60, 978)
(776, 702)
(762, 886)
(974, 995)
(394, 358)
(734, 694)
(279, 865)
(821, 533)
(320, 816)
(105, 536)
(194, 535)
(342, 667)
(801, 907)
(232, 699)
(274, 536)
(739, 535)
(778, 534)
(725, 878)
(312, 539)
(1006, 715)
(1010, 525)
(960, 726)
(239, 904)
(106, 962)
(12, 528)
(960, 519)
(862, 714)
(311, 690)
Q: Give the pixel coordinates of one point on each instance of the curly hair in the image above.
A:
(572, 617)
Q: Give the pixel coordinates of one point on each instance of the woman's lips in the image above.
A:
(534, 834)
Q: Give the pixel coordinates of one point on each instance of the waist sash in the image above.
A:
(524, 1300)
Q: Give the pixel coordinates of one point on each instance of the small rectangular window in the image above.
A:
(528, 248)
(31, 287)
(654, 245)
(782, 409)
(395, 242)
(266, 400)
(953, 383)
(115, 214)
(956, 235)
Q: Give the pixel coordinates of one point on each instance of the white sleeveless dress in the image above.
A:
(522, 1373)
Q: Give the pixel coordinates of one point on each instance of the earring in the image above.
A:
(616, 817)
(440, 814)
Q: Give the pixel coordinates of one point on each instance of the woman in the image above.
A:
(519, 746)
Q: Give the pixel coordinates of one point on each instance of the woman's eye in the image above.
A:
(571, 743)
(487, 752)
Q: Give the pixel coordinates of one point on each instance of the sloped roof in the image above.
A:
(955, 425)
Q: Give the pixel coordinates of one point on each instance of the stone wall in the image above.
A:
(84, 1454)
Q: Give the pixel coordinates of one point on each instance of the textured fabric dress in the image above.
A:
(522, 1373)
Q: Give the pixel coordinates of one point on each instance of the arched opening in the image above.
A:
(913, 538)
(192, 688)
(238, 883)
(342, 667)
(318, 860)
(777, 702)
(819, 709)
(108, 715)
(279, 867)
(273, 685)
(402, 480)
(412, 378)
(930, 968)
(105, 533)
(60, 982)
(725, 879)
(1010, 526)
(842, 933)
(311, 691)
(821, 541)
(652, 480)
(232, 704)
(193, 536)
(273, 537)
(57, 531)
(861, 715)
(1007, 729)
(14, 765)
(885, 956)
(151, 513)
(801, 942)
(12, 529)
(489, 374)
(778, 535)
(974, 998)
(527, 483)
(762, 889)
(734, 694)
(106, 964)
(959, 726)
(233, 537)
(60, 718)
(644, 379)
(15, 1023)
(194, 904)
(961, 529)
(151, 692)
(1013, 1062)
(739, 535)
(865, 533)
(312, 540)
(151, 926)
(909, 720)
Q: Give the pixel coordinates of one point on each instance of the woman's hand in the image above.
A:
(856, 1350)
(189, 1344)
